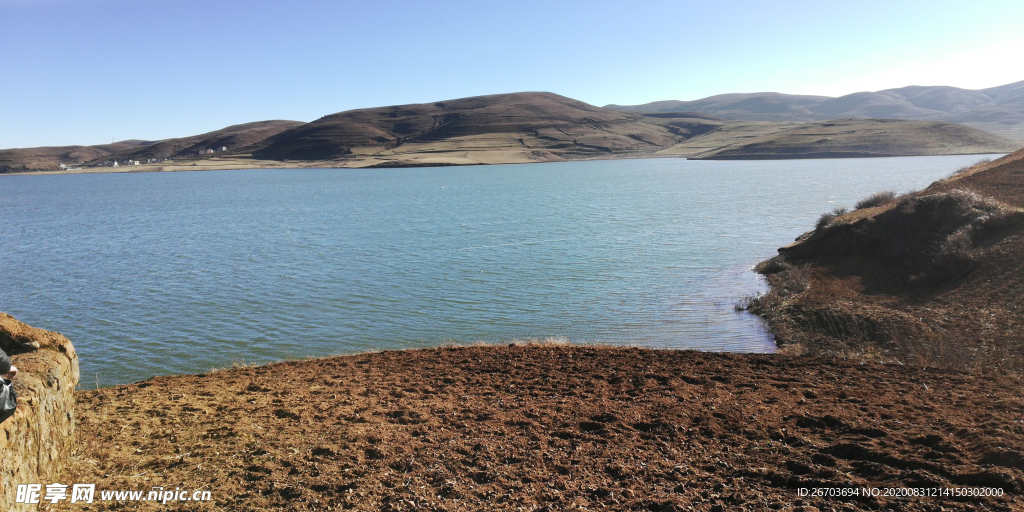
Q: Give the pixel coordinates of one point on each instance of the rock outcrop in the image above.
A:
(36, 442)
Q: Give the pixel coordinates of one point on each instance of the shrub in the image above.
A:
(876, 199)
(953, 259)
(828, 217)
(971, 218)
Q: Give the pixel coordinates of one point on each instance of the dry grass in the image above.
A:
(877, 307)
(826, 219)
(793, 349)
(876, 199)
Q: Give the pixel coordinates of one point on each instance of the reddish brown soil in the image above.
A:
(1002, 179)
(556, 428)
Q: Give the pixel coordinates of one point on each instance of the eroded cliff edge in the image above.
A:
(36, 442)
(932, 277)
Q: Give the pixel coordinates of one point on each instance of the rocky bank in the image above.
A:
(933, 277)
(37, 442)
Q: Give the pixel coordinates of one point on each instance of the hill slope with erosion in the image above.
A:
(934, 277)
(999, 110)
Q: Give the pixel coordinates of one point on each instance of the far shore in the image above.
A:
(463, 158)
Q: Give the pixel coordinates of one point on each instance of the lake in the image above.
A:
(170, 273)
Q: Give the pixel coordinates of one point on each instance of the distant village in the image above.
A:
(122, 163)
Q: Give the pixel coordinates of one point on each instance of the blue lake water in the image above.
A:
(170, 273)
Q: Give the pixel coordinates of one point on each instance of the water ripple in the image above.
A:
(156, 273)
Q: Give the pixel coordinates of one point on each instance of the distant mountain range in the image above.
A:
(544, 127)
(998, 110)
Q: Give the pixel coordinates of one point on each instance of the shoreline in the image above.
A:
(253, 164)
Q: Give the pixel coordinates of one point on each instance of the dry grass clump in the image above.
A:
(876, 199)
(973, 218)
(954, 353)
(826, 218)
(953, 259)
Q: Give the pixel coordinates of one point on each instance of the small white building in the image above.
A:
(115, 163)
(223, 148)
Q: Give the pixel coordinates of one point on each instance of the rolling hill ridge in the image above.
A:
(530, 127)
(541, 126)
(999, 110)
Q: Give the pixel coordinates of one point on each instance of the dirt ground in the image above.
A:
(556, 428)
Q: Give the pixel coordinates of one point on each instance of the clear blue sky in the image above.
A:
(89, 71)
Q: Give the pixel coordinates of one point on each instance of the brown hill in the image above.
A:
(865, 138)
(934, 277)
(233, 137)
(544, 125)
(47, 158)
(519, 128)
